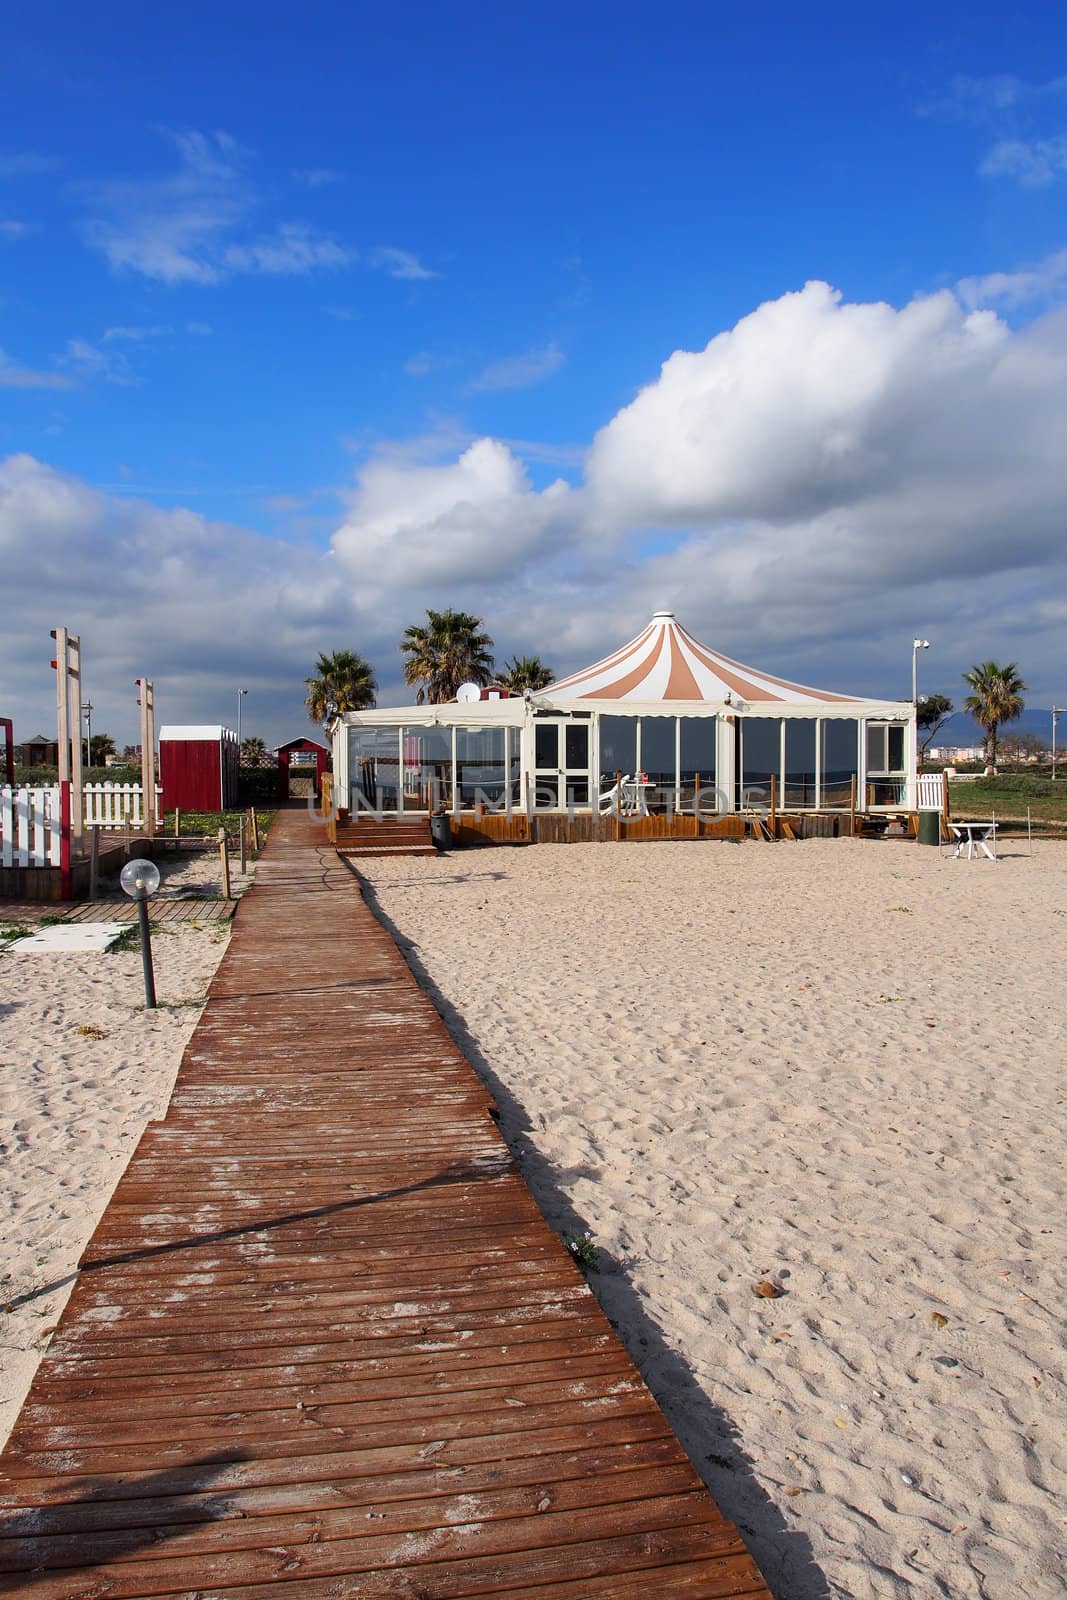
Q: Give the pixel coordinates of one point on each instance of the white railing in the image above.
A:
(929, 791)
(30, 826)
(116, 805)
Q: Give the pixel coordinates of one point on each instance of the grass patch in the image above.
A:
(1009, 795)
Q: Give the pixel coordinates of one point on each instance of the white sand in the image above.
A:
(836, 1065)
(72, 1106)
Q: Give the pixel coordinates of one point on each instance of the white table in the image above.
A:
(975, 834)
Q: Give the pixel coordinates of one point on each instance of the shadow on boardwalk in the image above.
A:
(706, 1431)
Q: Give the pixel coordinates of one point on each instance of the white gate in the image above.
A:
(31, 826)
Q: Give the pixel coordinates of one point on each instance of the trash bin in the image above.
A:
(929, 827)
(441, 830)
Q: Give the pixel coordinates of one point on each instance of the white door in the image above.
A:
(561, 763)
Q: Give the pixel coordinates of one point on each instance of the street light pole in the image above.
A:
(1057, 712)
(240, 693)
(87, 707)
(917, 645)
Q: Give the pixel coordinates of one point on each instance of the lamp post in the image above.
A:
(87, 709)
(917, 645)
(1057, 712)
(139, 880)
(240, 694)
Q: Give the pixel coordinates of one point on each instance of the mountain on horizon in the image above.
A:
(961, 729)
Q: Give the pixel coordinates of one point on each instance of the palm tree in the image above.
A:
(447, 651)
(342, 682)
(253, 751)
(526, 672)
(101, 745)
(996, 697)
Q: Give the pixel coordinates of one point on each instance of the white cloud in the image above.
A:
(1047, 280)
(418, 366)
(12, 376)
(26, 164)
(12, 229)
(413, 525)
(89, 362)
(199, 330)
(400, 264)
(1035, 163)
(188, 227)
(195, 604)
(316, 177)
(134, 335)
(292, 250)
(519, 372)
(818, 484)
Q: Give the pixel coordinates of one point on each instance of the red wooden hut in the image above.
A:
(303, 755)
(198, 766)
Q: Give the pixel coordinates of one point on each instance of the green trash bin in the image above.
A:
(929, 827)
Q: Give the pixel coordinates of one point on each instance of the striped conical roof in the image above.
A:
(665, 662)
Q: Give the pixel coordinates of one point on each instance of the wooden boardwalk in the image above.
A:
(323, 1342)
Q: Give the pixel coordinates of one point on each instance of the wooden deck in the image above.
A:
(322, 1342)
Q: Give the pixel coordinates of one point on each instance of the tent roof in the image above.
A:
(665, 662)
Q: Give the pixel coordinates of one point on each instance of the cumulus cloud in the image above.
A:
(808, 491)
(414, 525)
(519, 372)
(195, 604)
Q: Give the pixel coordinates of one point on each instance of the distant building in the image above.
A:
(38, 752)
(956, 752)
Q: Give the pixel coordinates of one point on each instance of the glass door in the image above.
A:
(561, 764)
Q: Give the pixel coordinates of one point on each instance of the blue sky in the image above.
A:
(312, 318)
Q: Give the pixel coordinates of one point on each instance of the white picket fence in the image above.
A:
(30, 826)
(116, 805)
(929, 791)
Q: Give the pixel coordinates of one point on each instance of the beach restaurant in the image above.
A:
(691, 732)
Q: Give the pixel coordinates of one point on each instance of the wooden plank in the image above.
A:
(322, 1336)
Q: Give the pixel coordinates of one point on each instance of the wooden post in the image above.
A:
(224, 861)
(255, 827)
(244, 841)
(177, 822)
(618, 804)
(148, 756)
(94, 861)
(944, 795)
(65, 887)
(74, 711)
(852, 808)
(774, 805)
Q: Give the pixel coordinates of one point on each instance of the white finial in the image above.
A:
(667, 616)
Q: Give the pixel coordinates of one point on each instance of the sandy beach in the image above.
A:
(83, 1068)
(835, 1068)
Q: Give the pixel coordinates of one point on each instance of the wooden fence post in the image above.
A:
(177, 822)
(65, 885)
(774, 805)
(852, 808)
(244, 841)
(255, 831)
(224, 861)
(94, 861)
(618, 805)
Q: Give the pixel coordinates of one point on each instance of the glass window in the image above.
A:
(427, 768)
(895, 732)
(698, 736)
(799, 787)
(657, 749)
(576, 740)
(373, 769)
(618, 747)
(840, 758)
(761, 753)
(546, 744)
(481, 773)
